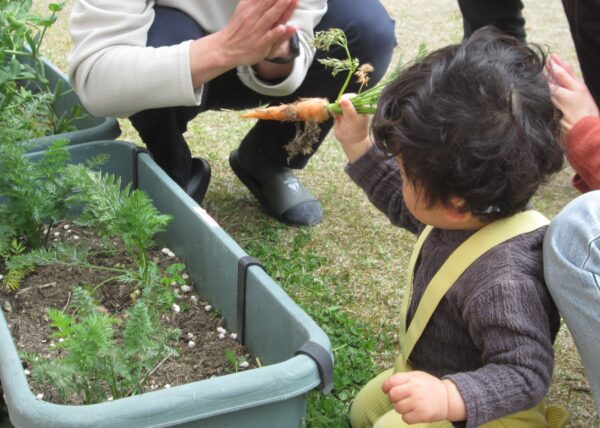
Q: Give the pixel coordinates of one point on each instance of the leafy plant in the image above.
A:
(365, 101)
(119, 212)
(334, 36)
(34, 194)
(27, 98)
(39, 194)
(95, 364)
(158, 292)
(235, 361)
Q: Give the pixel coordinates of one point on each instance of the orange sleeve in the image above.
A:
(583, 153)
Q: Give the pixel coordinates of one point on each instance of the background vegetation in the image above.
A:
(347, 272)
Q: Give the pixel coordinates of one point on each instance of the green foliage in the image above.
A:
(29, 120)
(34, 193)
(144, 345)
(365, 101)
(13, 278)
(27, 99)
(40, 194)
(136, 222)
(98, 194)
(96, 360)
(118, 212)
(234, 360)
(6, 238)
(174, 274)
(9, 245)
(334, 36)
(158, 291)
(95, 364)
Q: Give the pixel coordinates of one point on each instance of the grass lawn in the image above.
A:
(347, 272)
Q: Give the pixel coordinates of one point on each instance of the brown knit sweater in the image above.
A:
(492, 333)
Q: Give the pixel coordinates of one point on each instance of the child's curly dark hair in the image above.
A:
(474, 120)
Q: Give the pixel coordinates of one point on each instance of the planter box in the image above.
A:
(89, 128)
(294, 351)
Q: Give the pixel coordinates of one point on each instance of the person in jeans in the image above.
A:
(572, 245)
(160, 63)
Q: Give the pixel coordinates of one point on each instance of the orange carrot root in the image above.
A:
(305, 110)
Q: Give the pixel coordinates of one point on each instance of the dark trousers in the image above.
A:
(504, 14)
(584, 23)
(370, 33)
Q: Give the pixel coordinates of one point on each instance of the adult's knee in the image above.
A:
(368, 27)
(570, 234)
(372, 40)
(171, 27)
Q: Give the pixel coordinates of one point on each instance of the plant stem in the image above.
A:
(100, 284)
(350, 71)
(150, 373)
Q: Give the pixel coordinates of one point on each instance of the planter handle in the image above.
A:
(134, 165)
(324, 363)
(243, 264)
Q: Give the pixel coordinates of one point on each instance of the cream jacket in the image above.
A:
(115, 74)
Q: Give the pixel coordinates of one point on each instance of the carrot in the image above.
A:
(320, 109)
(304, 110)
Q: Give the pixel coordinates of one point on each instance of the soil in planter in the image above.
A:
(50, 286)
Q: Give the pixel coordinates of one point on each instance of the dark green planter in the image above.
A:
(295, 352)
(88, 127)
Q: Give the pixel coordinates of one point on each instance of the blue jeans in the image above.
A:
(572, 271)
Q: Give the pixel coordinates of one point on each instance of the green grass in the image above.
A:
(347, 273)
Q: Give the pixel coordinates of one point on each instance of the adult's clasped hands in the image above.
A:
(259, 30)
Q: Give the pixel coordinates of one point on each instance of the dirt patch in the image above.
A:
(51, 286)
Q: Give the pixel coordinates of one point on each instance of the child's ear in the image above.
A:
(455, 211)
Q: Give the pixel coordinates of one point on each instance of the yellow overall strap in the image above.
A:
(475, 246)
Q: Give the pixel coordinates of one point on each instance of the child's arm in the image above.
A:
(376, 174)
(421, 397)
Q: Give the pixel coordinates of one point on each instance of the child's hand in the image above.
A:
(421, 397)
(352, 130)
(569, 93)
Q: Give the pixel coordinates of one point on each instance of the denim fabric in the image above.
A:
(572, 271)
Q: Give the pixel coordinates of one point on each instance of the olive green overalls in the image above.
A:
(371, 407)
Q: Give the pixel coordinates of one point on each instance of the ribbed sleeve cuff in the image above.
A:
(361, 171)
(470, 393)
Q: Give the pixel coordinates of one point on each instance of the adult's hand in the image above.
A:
(569, 93)
(257, 30)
